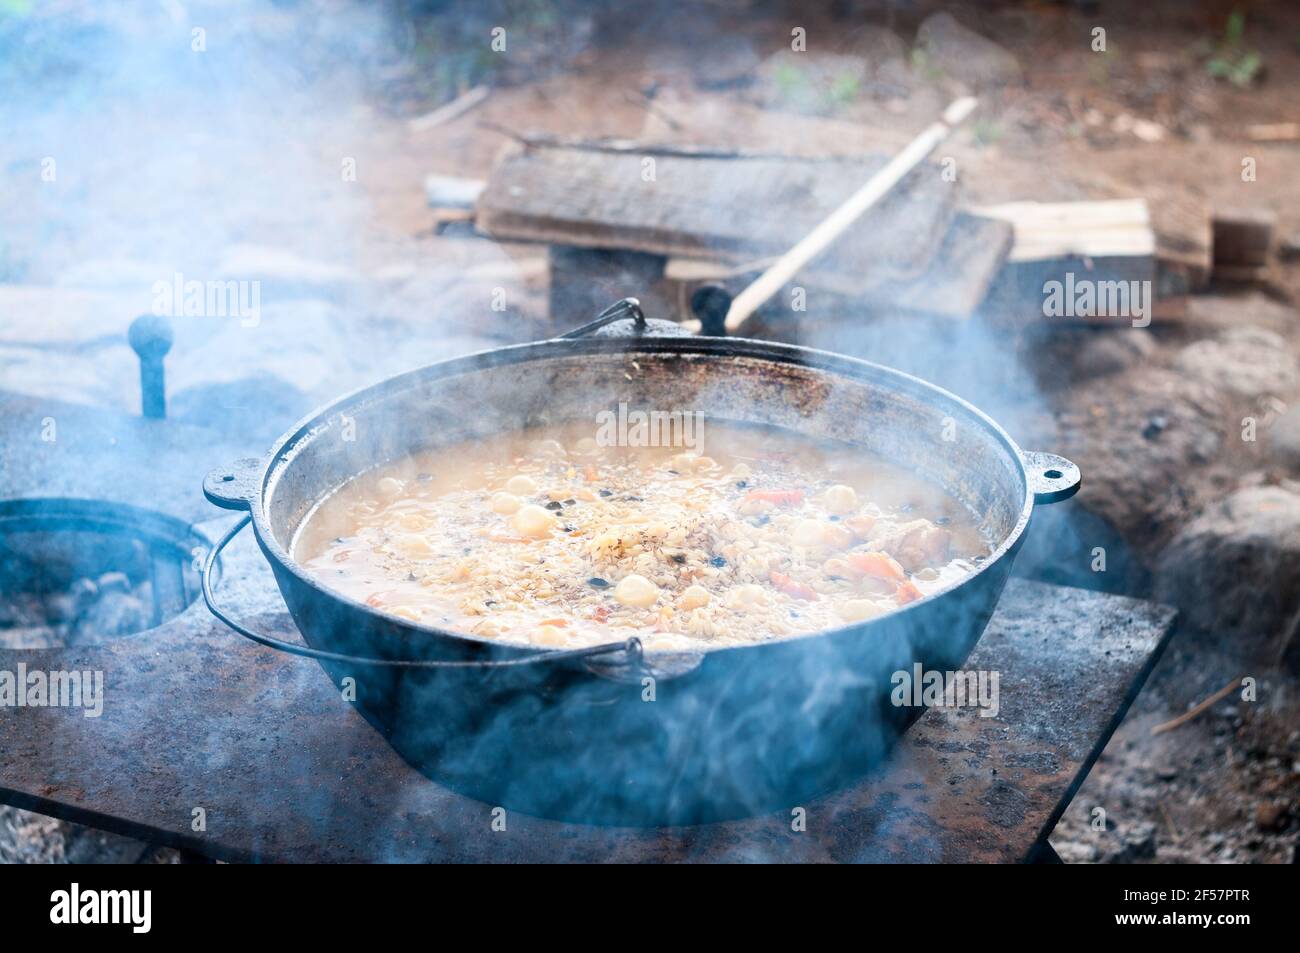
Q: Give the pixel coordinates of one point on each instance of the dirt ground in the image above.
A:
(1146, 118)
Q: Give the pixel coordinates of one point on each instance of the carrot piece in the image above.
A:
(779, 497)
(907, 592)
(880, 565)
(794, 589)
(554, 622)
(589, 474)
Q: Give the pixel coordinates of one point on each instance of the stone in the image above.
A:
(965, 55)
(1245, 362)
(1138, 842)
(1283, 440)
(1271, 816)
(1234, 570)
(1288, 248)
(1076, 852)
(1111, 350)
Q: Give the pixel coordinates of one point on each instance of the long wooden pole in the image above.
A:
(835, 224)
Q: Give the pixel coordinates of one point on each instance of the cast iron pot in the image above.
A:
(613, 735)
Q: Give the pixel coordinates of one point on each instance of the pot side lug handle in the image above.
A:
(233, 487)
(1051, 478)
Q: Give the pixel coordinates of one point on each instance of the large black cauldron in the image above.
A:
(614, 736)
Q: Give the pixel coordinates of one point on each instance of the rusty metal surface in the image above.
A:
(284, 769)
(51, 448)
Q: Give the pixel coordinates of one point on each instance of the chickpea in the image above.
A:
(637, 591)
(840, 499)
(504, 503)
(808, 533)
(532, 520)
(858, 610)
(521, 485)
(748, 596)
(694, 597)
(389, 488)
(549, 635)
(412, 546)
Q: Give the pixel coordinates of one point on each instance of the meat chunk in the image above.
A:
(916, 544)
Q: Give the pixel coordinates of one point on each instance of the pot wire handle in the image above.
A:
(624, 308)
(632, 646)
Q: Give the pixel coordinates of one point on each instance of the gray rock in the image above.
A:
(1076, 852)
(1246, 362)
(1234, 571)
(1138, 843)
(1109, 351)
(965, 55)
(1283, 441)
(1288, 249)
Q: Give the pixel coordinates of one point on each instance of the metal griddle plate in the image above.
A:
(284, 769)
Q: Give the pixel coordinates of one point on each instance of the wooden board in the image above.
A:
(954, 285)
(1119, 228)
(713, 207)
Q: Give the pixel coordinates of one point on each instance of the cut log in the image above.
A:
(1243, 237)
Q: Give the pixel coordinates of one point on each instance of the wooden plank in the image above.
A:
(1119, 228)
(708, 207)
(959, 276)
(828, 235)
